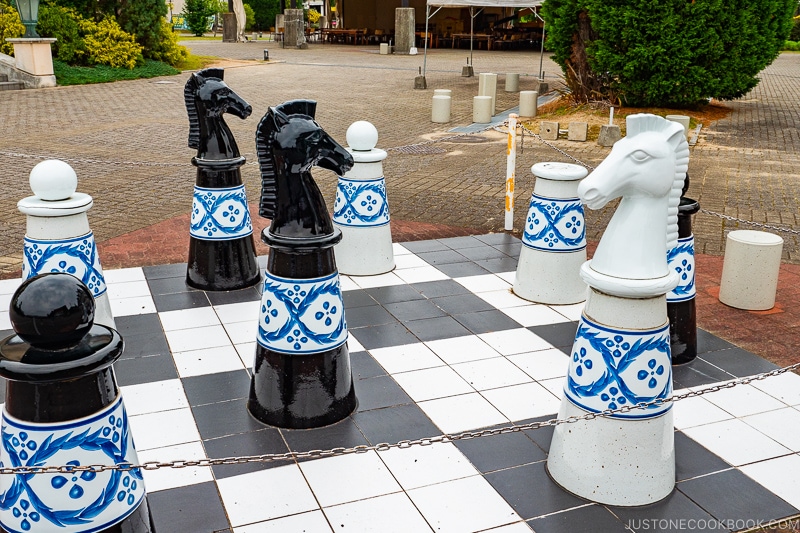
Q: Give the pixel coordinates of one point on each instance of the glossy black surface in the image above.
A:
(52, 309)
(229, 264)
(308, 390)
(683, 315)
(54, 378)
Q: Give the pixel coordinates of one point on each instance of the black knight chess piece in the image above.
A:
(302, 376)
(222, 254)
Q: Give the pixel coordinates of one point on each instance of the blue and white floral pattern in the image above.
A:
(76, 256)
(361, 203)
(612, 368)
(83, 501)
(220, 214)
(301, 316)
(681, 260)
(555, 225)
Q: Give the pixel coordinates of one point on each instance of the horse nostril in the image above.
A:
(588, 194)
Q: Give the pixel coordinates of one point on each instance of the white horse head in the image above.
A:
(646, 169)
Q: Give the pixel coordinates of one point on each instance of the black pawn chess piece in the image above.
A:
(63, 408)
(222, 254)
(302, 376)
(681, 301)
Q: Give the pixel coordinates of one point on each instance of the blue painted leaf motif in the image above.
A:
(58, 482)
(361, 203)
(554, 225)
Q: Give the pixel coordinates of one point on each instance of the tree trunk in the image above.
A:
(583, 82)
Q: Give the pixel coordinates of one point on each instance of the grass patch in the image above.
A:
(194, 62)
(190, 37)
(69, 75)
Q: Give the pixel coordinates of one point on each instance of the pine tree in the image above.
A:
(142, 18)
(197, 14)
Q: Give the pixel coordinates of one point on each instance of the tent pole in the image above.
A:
(471, 31)
(425, 54)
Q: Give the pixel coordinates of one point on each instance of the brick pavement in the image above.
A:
(127, 142)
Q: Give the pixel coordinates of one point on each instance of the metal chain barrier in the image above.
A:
(756, 224)
(384, 446)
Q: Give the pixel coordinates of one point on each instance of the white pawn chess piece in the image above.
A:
(361, 210)
(621, 354)
(554, 238)
(57, 235)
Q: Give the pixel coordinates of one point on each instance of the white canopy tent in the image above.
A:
(472, 4)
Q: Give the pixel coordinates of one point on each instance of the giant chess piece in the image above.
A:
(222, 255)
(554, 238)
(681, 306)
(621, 354)
(361, 210)
(63, 407)
(301, 376)
(57, 234)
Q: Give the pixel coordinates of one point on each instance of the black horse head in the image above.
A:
(207, 99)
(289, 142)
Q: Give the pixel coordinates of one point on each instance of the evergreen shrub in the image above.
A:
(665, 53)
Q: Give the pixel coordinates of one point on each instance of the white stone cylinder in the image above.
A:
(482, 109)
(440, 111)
(512, 82)
(384, 49)
(620, 357)
(554, 238)
(683, 120)
(487, 86)
(528, 103)
(361, 210)
(750, 270)
(57, 235)
(443, 92)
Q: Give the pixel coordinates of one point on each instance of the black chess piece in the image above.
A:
(681, 301)
(63, 407)
(302, 376)
(222, 254)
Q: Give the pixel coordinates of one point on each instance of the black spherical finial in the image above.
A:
(52, 311)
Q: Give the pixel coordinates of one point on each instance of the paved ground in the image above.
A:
(127, 142)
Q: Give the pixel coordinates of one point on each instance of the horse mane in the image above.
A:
(267, 129)
(676, 137)
(193, 84)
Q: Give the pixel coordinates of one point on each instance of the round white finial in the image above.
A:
(53, 180)
(362, 136)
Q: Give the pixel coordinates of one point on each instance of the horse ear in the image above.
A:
(278, 117)
(676, 134)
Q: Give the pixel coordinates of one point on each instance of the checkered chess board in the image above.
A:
(439, 345)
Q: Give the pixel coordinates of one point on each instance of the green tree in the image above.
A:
(264, 12)
(198, 14)
(142, 18)
(251, 16)
(665, 52)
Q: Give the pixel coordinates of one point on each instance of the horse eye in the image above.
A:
(640, 155)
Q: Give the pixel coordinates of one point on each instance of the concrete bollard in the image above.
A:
(528, 103)
(482, 109)
(548, 130)
(361, 210)
(554, 238)
(750, 270)
(440, 110)
(63, 408)
(443, 92)
(384, 49)
(487, 86)
(609, 134)
(578, 131)
(512, 82)
(57, 235)
(681, 307)
(683, 120)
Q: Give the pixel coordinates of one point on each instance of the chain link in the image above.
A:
(385, 446)
(100, 161)
(756, 224)
(556, 148)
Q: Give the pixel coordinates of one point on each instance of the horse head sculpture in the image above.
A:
(289, 143)
(646, 169)
(208, 98)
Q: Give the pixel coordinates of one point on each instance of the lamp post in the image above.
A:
(29, 13)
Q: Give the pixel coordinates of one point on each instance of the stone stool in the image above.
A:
(482, 109)
(63, 408)
(440, 109)
(57, 234)
(750, 270)
(554, 238)
(361, 210)
(528, 101)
